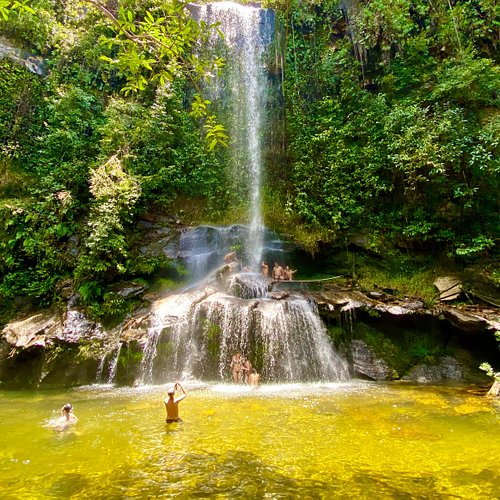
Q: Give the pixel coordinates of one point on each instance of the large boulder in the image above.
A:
(446, 368)
(368, 364)
(33, 330)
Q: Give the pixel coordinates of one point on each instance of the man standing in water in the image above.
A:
(172, 403)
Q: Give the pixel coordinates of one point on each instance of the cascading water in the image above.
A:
(195, 334)
(248, 31)
(283, 337)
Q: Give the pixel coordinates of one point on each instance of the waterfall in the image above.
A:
(248, 32)
(194, 334)
(113, 364)
(111, 354)
(285, 339)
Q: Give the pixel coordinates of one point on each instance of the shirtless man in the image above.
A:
(172, 403)
(288, 273)
(277, 272)
(236, 367)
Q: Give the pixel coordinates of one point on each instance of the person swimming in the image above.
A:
(66, 420)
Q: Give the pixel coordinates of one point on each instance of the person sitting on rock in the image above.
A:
(277, 272)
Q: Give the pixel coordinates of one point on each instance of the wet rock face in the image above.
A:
(34, 64)
(66, 348)
(368, 364)
(50, 349)
(446, 368)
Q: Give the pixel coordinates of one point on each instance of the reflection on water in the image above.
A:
(340, 440)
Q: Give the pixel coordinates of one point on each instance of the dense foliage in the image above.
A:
(389, 129)
(81, 159)
(392, 121)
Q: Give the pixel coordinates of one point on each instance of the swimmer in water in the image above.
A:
(172, 403)
(68, 415)
(67, 418)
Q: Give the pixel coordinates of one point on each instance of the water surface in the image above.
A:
(342, 440)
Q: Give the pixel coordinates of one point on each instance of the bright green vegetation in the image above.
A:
(486, 367)
(358, 440)
(393, 131)
(385, 127)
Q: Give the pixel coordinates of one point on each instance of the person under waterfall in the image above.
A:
(172, 403)
(236, 367)
(254, 378)
(247, 370)
(265, 270)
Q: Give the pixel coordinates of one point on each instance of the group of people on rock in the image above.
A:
(279, 272)
(232, 263)
(243, 371)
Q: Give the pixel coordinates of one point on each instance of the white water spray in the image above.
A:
(248, 31)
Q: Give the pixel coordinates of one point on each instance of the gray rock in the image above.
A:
(367, 363)
(447, 368)
(450, 288)
(466, 322)
(128, 290)
(31, 331)
(494, 391)
(32, 63)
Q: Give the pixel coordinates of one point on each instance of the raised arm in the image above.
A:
(184, 393)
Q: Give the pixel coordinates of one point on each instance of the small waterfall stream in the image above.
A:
(194, 334)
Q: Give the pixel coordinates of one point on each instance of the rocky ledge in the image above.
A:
(64, 348)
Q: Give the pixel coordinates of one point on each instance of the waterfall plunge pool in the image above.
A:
(340, 440)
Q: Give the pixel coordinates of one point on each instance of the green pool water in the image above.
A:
(346, 440)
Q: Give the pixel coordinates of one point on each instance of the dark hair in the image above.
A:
(67, 407)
